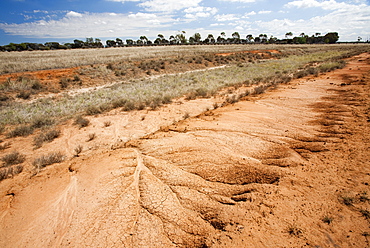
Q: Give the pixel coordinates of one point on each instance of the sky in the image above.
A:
(65, 20)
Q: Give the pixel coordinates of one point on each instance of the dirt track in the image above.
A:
(274, 171)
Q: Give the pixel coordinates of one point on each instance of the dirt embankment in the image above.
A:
(288, 169)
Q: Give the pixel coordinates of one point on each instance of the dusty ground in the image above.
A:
(288, 169)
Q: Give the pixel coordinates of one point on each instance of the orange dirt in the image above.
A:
(287, 169)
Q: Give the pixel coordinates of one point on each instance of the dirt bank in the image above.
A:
(287, 169)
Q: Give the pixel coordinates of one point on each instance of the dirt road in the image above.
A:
(287, 169)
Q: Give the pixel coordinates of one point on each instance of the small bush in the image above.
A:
(81, 122)
(42, 121)
(46, 137)
(10, 171)
(293, 230)
(13, 158)
(49, 159)
(4, 146)
(365, 213)
(78, 150)
(93, 110)
(64, 82)
(107, 123)
(24, 95)
(91, 137)
(347, 200)
(23, 131)
(327, 219)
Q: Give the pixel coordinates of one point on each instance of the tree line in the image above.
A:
(178, 39)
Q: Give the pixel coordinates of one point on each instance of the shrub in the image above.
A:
(41, 121)
(49, 159)
(23, 131)
(24, 95)
(13, 158)
(46, 137)
(327, 219)
(107, 123)
(93, 110)
(10, 171)
(91, 137)
(4, 146)
(78, 150)
(365, 213)
(81, 122)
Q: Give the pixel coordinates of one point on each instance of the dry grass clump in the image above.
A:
(4, 146)
(20, 131)
(91, 137)
(49, 159)
(44, 137)
(81, 122)
(10, 171)
(12, 159)
(78, 149)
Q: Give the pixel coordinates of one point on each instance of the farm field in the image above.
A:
(203, 146)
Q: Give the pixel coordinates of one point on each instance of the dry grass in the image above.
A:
(13, 159)
(154, 92)
(44, 137)
(49, 159)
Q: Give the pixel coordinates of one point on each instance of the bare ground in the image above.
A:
(287, 169)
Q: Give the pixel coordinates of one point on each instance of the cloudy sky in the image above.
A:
(66, 20)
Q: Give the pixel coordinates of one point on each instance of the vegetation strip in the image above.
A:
(142, 93)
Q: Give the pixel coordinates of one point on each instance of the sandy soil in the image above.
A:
(287, 169)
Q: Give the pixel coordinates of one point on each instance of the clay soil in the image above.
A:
(289, 168)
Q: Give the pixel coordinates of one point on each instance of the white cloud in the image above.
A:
(240, 1)
(353, 19)
(226, 17)
(264, 12)
(194, 13)
(73, 14)
(326, 5)
(76, 25)
(168, 5)
(122, 1)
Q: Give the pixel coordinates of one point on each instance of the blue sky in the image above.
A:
(66, 20)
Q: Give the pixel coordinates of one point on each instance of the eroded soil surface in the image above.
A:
(289, 168)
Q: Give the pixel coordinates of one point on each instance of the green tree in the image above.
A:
(249, 38)
(236, 37)
(331, 38)
(289, 34)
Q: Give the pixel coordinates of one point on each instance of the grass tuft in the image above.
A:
(20, 131)
(49, 136)
(81, 122)
(49, 159)
(13, 159)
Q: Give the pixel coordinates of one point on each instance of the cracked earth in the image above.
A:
(268, 171)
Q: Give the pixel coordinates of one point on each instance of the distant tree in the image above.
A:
(210, 39)
(288, 35)
(263, 38)
(331, 38)
(143, 40)
(317, 34)
(249, 38)
(130, 42)
(236, 37)
(78, 43)
(53, 45)
(359, 39)
(272, 40)
(119, 42)
(111, 43)
(257, 39)
(180, 38)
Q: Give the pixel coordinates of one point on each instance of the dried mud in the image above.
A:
(289, 168)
